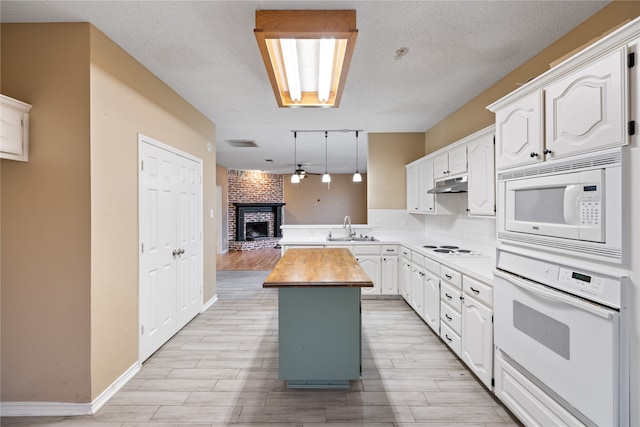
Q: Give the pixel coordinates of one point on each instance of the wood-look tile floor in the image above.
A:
(222, 370)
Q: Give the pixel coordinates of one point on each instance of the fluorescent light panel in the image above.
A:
(307, 54)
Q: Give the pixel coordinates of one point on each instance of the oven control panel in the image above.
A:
(583, 282)
(598, 287)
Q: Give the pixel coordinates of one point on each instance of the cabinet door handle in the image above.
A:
(448, 296)
(448, 276)
(475, 291)
(447, 337)
(547, 151)
(449, 318)
(175, 253)
(533, 154)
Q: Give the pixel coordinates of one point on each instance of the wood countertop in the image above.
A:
(321, 267)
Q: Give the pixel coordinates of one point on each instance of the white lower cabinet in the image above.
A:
(405, 275)
(432, 301)
(526, 400)
(390, 276)
(477, 328)
(371, 265)
(417, 288)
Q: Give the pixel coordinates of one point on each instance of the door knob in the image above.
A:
(547, 151)
(533, 154)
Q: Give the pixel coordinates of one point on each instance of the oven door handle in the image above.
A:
(555, 296)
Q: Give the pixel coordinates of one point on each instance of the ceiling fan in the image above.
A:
(302, 173)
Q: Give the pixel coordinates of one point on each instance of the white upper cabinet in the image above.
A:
(519, 132)
(585, 111)
(481, 197)
(426, 201)
(14, 129)
(578, 106)
(413, 186)
(450, 163)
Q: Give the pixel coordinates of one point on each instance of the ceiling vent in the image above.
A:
(241, 143)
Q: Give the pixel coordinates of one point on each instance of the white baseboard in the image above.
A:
(42, 409)
(209, 303)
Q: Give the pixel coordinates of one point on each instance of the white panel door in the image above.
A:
(519, 132)
(189, 239)
(170, 224)
(157, 217)
(586, 110)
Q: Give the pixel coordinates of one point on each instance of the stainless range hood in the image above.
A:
(453, 185)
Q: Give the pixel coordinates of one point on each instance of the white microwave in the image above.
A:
(572, 205)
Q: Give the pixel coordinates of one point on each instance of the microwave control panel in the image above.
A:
(590, 206)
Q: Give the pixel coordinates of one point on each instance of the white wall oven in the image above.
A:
(561, 343)
(572, 206)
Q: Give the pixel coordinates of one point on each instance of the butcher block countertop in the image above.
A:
(321, 267)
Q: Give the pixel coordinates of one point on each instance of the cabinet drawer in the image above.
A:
(451, 276)
(451, 296)
(389, 250)
(405, 252)
(451, 338)
(480, 291)
(451, 318)
(432, 266)
(417, 259)
(366, 249)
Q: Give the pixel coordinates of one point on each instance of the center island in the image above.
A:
(319, 316)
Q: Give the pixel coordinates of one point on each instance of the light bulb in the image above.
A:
(357, 177)
(295, 179)
(326, 178)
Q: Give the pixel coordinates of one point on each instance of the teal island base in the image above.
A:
(319, 336)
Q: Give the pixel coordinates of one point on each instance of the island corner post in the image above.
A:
(319, 317)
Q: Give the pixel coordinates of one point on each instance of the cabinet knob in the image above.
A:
(533, 154)
(547, 151)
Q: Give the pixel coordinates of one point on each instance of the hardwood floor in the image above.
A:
(256, 260)
(222, 370)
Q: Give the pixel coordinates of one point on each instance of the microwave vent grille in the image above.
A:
(591, 251)
(609, 158)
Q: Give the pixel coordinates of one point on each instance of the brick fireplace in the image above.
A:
(254, 198)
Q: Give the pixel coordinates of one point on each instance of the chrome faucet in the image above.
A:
(347, 225)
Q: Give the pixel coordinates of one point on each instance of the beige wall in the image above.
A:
(126, 100)
(69, 217)
(473, 116)
(221, 180)
(388, 155)
(46, 218)
(312, 202)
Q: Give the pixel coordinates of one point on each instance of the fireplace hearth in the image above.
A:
(256, 230)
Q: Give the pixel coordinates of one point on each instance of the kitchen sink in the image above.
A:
(338, 239)
(364, 239)
(352, 239)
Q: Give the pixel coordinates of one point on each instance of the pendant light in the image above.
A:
(326, 178)
(356, 176)
(295, 179)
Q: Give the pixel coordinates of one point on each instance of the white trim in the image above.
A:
(42, 409)
(114, 387)
(209, 303)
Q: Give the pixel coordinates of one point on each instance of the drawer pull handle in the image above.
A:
(475, 291)
(448, 276)
(447, 337)
(449, 318)
(390, 250)
(448, 296)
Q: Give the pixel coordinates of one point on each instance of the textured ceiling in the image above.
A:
(206, 52)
